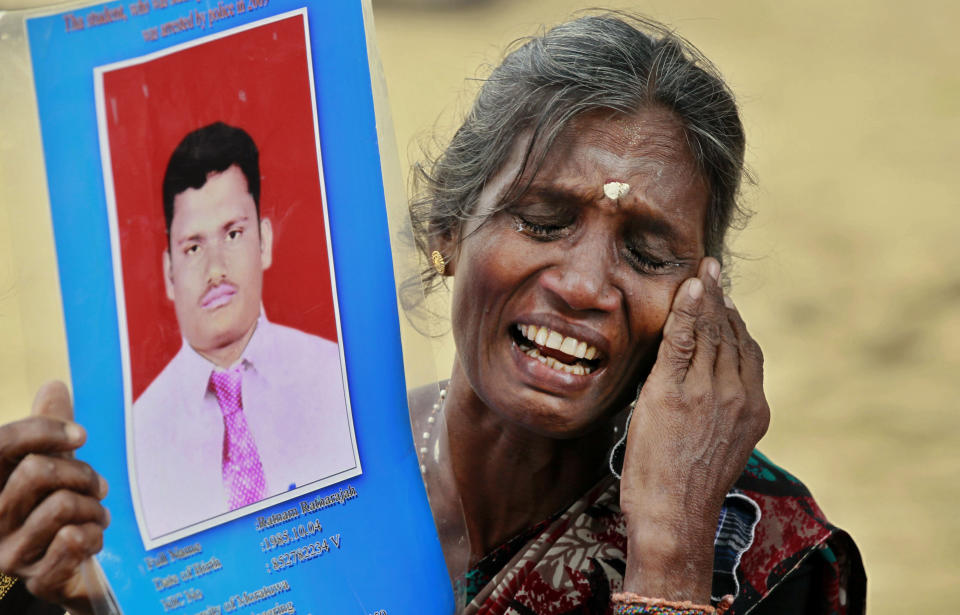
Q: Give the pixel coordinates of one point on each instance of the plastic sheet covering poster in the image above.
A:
(218, 212)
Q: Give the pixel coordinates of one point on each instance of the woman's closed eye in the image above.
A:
(544, 221)
(541, 230)
(645, 262)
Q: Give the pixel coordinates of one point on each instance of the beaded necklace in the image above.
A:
(427, 436)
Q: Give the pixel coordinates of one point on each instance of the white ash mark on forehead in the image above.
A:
(615, 190)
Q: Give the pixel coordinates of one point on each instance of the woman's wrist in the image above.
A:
(671, 578)
(670, 560)
(670, 547)
(629, 603)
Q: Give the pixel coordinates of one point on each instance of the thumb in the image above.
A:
(679, 341)
(53, 401)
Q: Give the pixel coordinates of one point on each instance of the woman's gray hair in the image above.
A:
(611, 61)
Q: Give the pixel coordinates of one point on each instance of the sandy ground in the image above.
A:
(850, 278)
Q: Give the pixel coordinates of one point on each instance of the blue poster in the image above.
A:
(224, 258)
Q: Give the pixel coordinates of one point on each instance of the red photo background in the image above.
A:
(257, 80)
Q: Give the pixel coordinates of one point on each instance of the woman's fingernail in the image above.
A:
(106, 517)
(102, 486)
(713, 268)
(727, 301)
(74, 432)
(696, 288)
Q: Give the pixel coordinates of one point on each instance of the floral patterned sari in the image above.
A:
(771, 534)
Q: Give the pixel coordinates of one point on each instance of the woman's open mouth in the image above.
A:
(555, 350)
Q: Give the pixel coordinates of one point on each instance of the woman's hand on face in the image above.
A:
(696, 421)
(51, 519)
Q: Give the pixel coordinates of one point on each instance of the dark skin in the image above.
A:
(51, 518)
(626, 277)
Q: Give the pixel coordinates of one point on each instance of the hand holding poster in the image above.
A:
(229, 307)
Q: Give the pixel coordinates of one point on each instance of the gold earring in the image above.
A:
(438, 262)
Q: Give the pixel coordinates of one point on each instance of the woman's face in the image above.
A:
(559, 300)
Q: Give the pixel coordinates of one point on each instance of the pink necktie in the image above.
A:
(242, 470)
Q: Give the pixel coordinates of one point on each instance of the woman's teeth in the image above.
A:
(543, 336)
(570, 346)
(576, 369)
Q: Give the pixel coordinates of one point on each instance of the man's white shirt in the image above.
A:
(295, 407)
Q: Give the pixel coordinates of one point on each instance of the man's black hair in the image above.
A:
(211, 149)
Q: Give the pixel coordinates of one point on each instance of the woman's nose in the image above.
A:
(582, 279)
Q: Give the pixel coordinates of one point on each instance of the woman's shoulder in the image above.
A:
(761, 475)
(794, 537)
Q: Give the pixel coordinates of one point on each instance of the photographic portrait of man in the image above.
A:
(247, 409)
(236, 393)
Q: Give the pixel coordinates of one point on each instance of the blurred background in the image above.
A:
(849, 275)
(850, 269)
